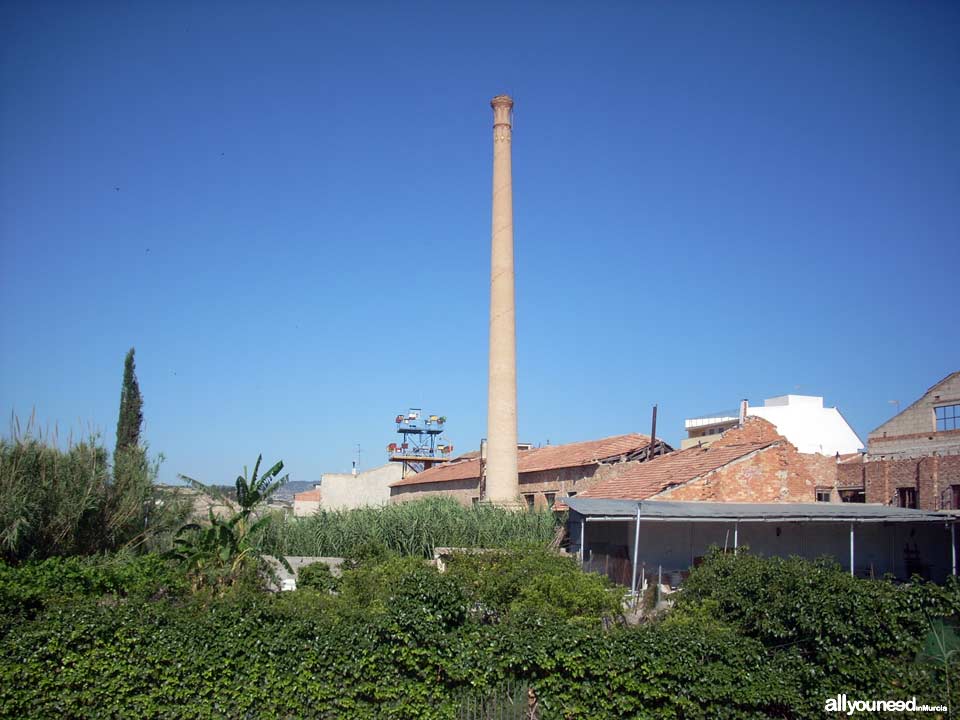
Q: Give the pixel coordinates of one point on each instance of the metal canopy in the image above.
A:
(599, 508)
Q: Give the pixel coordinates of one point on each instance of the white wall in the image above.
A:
(804, 421)
(341, 491)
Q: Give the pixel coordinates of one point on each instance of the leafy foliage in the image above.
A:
(317, 576)
(401, 640)
(227, 551)
(534, 580)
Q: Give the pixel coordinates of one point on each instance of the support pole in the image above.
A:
(953, 546)
(851, 550)
(736, 537)
(636, 548)
(583, 541)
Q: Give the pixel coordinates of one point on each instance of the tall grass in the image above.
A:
(72, 501)
(411, 528)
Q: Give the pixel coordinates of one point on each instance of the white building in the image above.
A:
(802, 419)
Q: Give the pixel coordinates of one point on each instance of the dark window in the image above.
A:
(950, 499)
(550, 497)
(948, 417)
(530, 500)
(854, 496)
(907, 497)
(572, 493)
(823, 494)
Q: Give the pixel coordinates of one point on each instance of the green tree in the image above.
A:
(131, 407)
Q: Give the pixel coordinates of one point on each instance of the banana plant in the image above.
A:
(218, 553)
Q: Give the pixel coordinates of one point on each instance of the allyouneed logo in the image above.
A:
(842, 704)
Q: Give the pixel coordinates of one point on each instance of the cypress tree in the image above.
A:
(131, 407)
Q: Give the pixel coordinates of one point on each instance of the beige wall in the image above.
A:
(303, 508)
(341, 491)
(912, 433)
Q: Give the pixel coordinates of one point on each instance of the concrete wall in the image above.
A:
(305, 508)
(879, 548)
(342, 491)
(812, 428)
(912, 433)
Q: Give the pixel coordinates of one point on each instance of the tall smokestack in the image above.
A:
(503, 486)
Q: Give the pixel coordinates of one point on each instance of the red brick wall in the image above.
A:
(754, 430)
(930, 476)
(774, 474)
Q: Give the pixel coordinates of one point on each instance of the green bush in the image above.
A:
(850, 632)
(401, 640)
(534, 580)
(317, 576)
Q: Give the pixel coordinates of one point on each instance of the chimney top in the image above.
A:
(502, 107)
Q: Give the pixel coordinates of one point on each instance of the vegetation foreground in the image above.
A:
(124, 636)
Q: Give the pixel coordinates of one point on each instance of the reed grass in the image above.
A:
(411, 528)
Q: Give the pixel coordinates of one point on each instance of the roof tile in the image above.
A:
(550, 457)
(642, 480)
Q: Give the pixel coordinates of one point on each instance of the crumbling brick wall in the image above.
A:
(771, 474)
(931, 477)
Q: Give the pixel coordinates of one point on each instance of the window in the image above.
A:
(948, 417)
(853, 496)
(823, 494)
(550, 498)
(950, 498)
(572, 493)
(530, 500)
(907, 497)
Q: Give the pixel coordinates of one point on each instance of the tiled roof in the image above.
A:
(550, 457)
(308, 495)
(642, 480)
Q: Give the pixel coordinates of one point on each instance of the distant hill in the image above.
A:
(291, 488)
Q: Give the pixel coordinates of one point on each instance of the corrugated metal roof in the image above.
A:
(786, 512)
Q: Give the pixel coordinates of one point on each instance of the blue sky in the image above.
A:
(285, 208)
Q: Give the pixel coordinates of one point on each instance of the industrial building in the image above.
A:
(545, 474)
(751, 463)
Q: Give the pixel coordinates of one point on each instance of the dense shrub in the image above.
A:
(37, 584)
(749, 639)
(534, 580)
(849, 630)
(412, 528)
(317, 576)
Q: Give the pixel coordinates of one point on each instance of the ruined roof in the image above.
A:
(550, 457)
(646, 479)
